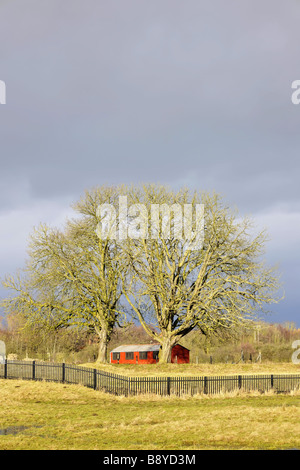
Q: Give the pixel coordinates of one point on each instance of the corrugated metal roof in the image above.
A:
(136, 348)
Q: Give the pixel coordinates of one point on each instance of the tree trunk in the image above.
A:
(102, 352)
(166, 350)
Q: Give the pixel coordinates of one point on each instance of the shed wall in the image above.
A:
(135, 359)
(180, 355)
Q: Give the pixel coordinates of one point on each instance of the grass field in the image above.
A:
(56, 417)
(157, 370)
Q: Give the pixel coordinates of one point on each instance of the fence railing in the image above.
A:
(122, 385)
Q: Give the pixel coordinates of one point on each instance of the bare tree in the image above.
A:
(73, 277)
(219, 286)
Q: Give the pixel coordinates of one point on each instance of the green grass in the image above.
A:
(157, 370)
(69, 417)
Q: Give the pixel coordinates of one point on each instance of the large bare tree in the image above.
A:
(73, 277)
(216, 281)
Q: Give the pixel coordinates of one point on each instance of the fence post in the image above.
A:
(129, 386)
(272, 381)
(63, 378)
(205, 385)
(240, 381)
(95, 379)
(5, 369)
(33, 370)
(168, 385)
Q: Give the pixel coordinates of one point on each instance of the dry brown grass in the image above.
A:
(188, 370)
(61, 416)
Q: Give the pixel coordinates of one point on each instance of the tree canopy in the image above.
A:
(220, 285)
(72, 277)
(183, 260)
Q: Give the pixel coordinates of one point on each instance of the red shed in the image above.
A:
(146, 354)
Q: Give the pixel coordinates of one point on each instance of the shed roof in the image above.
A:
(136, 348)
(139, 347)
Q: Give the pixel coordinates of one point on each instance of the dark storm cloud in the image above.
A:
(114, 91)
(192, 93)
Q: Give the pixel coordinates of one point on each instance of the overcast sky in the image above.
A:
(192, 92)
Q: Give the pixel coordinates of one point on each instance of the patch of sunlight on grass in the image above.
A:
(61, 416)
(188, 370)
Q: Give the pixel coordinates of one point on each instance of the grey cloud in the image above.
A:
(194, 93)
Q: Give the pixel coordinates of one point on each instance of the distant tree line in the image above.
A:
(70, 345)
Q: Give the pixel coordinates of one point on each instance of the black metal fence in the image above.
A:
(121, 385)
